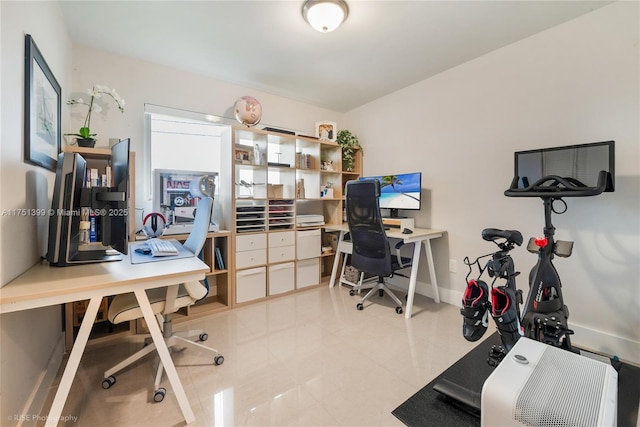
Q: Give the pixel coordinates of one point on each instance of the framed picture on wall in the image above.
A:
(326, 131)
(42, 110)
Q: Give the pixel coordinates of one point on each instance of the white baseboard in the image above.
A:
(605, 343)
(38, 396)
(446, 295)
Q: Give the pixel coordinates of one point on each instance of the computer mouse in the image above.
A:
(143, 251)
(407, 231)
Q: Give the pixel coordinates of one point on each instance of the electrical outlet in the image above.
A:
(453, 266)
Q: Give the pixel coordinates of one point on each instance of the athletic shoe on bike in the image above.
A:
(505, 313)
(475, 310)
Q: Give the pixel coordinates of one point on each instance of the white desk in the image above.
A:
(42, 286)
(420, 236)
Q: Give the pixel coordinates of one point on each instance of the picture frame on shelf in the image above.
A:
(243, 155)
(42, 110)
(326, 131)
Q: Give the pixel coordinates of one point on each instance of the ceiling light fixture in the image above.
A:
(325, 15)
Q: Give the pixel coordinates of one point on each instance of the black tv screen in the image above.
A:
(585, 169)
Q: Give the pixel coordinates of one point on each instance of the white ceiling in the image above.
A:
(383, 46)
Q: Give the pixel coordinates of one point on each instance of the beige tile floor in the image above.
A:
(307, 359)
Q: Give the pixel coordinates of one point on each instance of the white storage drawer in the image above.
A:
(307, 272)
(251, 258)
(251, 284)
(286, 238)
(308, 244)
(283, 253)
(251, 242)
(281, 278)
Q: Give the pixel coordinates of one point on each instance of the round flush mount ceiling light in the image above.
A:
(325, 15)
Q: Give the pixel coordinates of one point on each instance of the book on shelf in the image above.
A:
(219, 259)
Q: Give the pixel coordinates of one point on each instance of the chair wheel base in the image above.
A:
(381, 292)
(108, 382)
(158, 395)
(218, 360)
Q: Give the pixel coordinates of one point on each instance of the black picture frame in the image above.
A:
(42, 109)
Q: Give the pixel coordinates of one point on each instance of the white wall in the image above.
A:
(140, 83)
(576, 83)
(31, 340)
(28, 338)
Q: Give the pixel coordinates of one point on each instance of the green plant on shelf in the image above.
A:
(349, 144)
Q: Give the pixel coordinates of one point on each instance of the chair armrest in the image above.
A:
(196, 290)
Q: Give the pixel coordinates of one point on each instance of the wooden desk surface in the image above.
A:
(43, 285)
(396, 233)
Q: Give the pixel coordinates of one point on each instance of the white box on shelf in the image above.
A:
(281, 278)
(246, 259)
(308, 244)
(251, 284)
(307, 272)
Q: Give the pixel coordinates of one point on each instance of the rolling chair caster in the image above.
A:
(203, 336)
(218, 360)
(381, 292)
(108, 382)
(158, 395)
(359, 306)
(399, 310)
(352, 292)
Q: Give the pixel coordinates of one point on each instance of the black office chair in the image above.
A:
(371, 251)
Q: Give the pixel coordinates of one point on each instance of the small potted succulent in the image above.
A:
(84, 137)
(349, 143)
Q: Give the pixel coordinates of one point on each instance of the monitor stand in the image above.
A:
(92, 256)
(87, 256)
(393, 213)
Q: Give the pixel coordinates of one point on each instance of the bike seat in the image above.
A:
(511, 236)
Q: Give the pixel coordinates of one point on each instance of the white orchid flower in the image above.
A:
(95, 92)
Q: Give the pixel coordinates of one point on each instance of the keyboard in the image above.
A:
(161, 247)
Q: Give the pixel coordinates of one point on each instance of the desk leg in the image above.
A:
(336, 261)
(413, 279)
(432, 270)
(165, 357)
(73, 362)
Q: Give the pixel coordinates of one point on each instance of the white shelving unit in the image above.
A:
(277, 177)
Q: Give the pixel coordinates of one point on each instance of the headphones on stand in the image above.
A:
(154, 225)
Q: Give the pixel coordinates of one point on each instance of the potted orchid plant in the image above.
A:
(84, 137)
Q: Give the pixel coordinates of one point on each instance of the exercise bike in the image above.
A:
(550, 174)
(544, 314)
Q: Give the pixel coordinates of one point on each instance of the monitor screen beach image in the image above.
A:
(400, 191)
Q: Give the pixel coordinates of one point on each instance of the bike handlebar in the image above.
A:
(557, 186)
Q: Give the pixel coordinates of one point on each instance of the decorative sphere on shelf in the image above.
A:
(248, 110)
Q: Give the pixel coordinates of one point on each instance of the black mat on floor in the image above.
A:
(430, 408)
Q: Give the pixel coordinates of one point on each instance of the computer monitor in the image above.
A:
(399, 192)
(110, 205)
(115, 202)
(573, 170)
